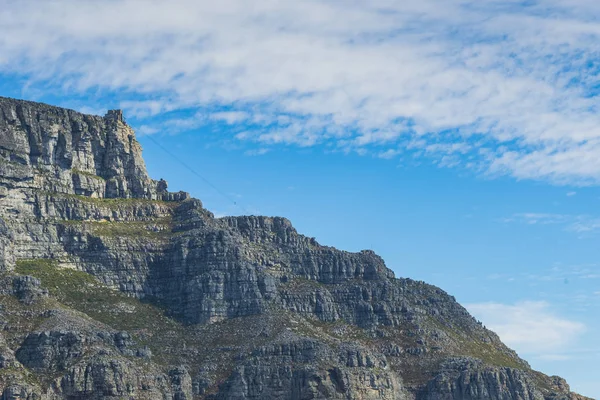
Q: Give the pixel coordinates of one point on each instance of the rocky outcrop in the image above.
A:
(28, 289)
(471, 379)
(139, 293)
(6, 250)
(309, 369)
(63, 151)
(50, 351)
(105, 377)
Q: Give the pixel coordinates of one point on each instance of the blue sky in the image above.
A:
(460, 139)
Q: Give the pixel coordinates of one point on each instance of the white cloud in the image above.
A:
(539, 218)
(503, 87)
(92, 111)
(580, 224)
(257, 152)
(531, 327)
(230, 117)
(571, 194)
(147, 130)
(146, 108)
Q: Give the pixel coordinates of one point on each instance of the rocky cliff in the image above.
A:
(114, 288)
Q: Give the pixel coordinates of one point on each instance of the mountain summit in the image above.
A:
(115, 288)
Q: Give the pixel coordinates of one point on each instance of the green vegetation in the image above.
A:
(83, 292)
(489, 354)
(220, 342)
(61, 282)
(85, 173)
(107, 201)
(12, 374)
(146, 322)
(27, 317)
(468, 345)
(159, 228)
(111, 202)
(299, 282)
(131, 229)
(543, 382)
(339, 329)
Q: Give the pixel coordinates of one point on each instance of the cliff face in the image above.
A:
(113, 287)
(70, 152)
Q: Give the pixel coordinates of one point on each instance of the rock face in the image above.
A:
(68, 152)
(115, 288)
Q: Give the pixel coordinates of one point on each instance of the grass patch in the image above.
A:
(171, 342)
(21, 375)
(60, 282)
(111, 202)
(130, 229)
(83, 292)
(300, 283)
(85, 173)
(158, 229)
(476, 348)
(490, 355)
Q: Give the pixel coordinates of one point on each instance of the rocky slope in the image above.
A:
(114, 288)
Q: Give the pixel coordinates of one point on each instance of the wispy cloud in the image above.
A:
(531, 327)
(539, 218)
(257, 152)
(584, 271)
(230, 117)
(580, 224)
(502, 87)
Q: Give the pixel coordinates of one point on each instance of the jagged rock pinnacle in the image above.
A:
(115, 115)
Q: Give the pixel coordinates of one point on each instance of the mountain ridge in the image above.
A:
(96, 250)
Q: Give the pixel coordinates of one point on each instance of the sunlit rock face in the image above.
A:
(114, 288)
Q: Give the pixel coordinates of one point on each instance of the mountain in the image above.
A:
(115, 288)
